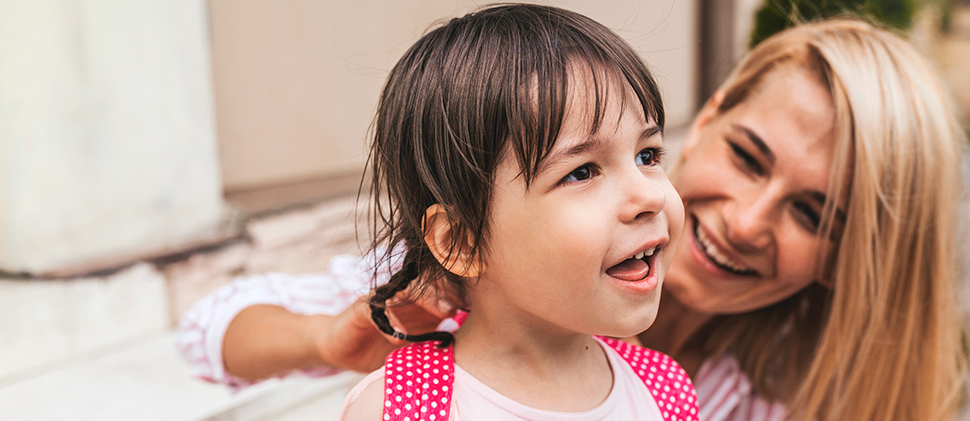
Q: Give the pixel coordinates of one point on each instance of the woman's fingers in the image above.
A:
(352, 341)
(416, 316)
(437, 304)
(422, 306)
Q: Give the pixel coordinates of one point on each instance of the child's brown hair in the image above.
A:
(487, 86)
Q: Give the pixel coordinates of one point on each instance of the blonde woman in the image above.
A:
(821, 184)
(817, 277)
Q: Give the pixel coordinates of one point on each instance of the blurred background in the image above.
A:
(152, 150)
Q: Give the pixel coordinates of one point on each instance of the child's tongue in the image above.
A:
(630, 270)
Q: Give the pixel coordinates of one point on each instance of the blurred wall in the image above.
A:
(109, 109)
(107, 142)
(297, 81)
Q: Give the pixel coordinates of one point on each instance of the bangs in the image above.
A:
(539, 109)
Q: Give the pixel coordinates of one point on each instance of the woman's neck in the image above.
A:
(531, 361)
(672, 333)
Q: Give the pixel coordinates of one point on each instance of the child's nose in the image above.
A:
(644, 197)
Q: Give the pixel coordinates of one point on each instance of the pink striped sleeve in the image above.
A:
(754, 408)
(725, 394)
(202, 328)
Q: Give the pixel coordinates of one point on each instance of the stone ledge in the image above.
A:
(300, 240)
(148, 381)
(53, 322)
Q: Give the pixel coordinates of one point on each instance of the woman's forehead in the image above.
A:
(791, 121)
(792, 112)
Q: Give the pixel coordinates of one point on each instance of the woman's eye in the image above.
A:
(746, 159)
(649, 156)
(584, 172)
(807, 217)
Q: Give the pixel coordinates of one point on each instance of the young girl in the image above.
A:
(517, 160)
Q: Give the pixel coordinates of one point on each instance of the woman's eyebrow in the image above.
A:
(758, 142)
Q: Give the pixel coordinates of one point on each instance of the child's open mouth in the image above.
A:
(633, 269)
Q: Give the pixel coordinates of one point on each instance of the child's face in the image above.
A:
(561, 251)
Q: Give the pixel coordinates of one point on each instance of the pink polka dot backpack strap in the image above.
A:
(418, 382)
(665, 379)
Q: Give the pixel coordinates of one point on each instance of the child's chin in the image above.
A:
(632, 326)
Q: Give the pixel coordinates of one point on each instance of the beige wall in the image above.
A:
(296, 81)
(107, 140)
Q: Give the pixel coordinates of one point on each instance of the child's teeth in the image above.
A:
(646, 253)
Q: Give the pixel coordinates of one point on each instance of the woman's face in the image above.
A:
(753, 181)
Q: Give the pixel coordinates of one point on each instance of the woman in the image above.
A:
(821, 185)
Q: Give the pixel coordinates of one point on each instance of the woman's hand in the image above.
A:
(350, 340)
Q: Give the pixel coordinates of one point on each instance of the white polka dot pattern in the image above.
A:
(418, 383)
(665, 379)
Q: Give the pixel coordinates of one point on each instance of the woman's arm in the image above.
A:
(229, 322)
(270, 325)
(265, 341)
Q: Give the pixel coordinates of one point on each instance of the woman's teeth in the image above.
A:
(647, 253)
(715, 254)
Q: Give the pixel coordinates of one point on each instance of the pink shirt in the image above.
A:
(723, 392)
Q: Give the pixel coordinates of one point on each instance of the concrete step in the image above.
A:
(145, 379)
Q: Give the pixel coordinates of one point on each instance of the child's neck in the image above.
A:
(672, 333)
(530, 360)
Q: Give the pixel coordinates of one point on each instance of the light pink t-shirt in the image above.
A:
(473, 400)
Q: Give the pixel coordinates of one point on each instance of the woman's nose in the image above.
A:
(749, 225)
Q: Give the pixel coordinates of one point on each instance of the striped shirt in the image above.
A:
(723, 391)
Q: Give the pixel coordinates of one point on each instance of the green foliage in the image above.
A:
(776, 15)
(946, 15)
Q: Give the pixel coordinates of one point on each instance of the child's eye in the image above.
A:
(584, 172)
(649, 156)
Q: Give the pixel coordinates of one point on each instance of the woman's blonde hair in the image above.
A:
(886, 342)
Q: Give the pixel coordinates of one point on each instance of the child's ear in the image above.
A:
(455, 255)
(704, 117)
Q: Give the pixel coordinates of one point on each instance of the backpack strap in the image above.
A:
(665, 379)
(418, 380)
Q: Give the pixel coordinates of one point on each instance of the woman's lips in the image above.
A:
(714, 255)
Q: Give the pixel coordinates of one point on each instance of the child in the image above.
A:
(517, 158)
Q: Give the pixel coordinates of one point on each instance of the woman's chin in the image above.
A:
(692, 294)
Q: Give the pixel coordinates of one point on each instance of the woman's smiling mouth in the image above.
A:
(714, 254)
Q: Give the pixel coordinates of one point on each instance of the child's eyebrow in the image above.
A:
(589, 143)
(559, 155)
(650, 132)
